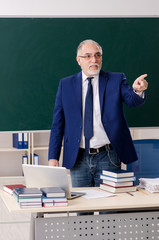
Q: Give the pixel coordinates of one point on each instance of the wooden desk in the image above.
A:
(127, 217)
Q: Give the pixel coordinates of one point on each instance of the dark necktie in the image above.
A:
(88, 116)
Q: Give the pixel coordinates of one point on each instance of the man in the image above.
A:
(109, 142)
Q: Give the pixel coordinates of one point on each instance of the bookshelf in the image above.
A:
(39, 145)
(11, 158)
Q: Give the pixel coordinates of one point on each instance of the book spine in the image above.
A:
(25, 140)
(36, 159)
(117, 184)
(111, 177)
(121, 179)
(24, 161)
(118, 175)
(18, 140)
(58, 199)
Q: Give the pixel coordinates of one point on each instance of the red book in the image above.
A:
(117, 189)
(9, 188)
(56, 204)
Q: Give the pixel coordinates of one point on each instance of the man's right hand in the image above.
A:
(53, 163)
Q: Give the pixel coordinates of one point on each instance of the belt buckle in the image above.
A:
(95, 152)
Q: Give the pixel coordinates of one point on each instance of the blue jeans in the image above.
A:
(87, 169)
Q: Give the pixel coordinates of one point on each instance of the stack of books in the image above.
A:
(117, 181)
(9, 188)
(28, 197)
(53, 197)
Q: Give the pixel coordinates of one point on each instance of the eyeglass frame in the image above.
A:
(97, 55)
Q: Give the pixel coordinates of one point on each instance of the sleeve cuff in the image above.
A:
(140, 94)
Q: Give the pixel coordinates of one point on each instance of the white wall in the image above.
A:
(78, 8)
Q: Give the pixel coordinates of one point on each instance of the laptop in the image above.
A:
(47, 176)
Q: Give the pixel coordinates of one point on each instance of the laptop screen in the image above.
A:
(46, 176)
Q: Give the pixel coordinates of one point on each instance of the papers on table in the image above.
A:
(95, 194)
(149, 184)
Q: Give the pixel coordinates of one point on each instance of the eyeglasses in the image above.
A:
(97, 55)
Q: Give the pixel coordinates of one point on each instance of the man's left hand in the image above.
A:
(140, 84)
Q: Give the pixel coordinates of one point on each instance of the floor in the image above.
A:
(13, 226)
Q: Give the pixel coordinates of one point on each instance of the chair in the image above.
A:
(147, 165)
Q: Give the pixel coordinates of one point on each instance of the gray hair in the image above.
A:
(88, 41)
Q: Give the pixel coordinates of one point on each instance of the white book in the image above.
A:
(24, 159)
(118, 173)
(53, 192)
(31, 206)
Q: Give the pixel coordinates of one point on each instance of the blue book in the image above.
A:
(53, 199)
(18, 140)
(25, 140)
(27, 192)
(117, 179)
(36, 159)
(53, 191)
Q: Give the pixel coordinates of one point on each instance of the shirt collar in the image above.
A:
(84, 76)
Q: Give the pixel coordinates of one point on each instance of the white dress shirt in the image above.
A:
(99, 138)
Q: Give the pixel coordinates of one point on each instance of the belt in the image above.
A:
(98, 150)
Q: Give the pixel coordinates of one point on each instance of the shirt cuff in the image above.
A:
(140, 94)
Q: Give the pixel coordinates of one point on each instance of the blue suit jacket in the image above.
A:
(67, 119)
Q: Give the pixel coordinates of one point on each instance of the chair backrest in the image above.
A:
(148, 159)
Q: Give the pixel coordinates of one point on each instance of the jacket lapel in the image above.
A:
(103, 78)
(77, 83)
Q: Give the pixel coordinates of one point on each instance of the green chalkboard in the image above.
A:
(35, 53)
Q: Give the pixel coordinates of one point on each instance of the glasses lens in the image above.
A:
(98, 55)
(89, 56)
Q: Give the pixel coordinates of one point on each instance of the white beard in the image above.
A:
(95, 72)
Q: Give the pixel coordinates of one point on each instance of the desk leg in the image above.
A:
(32, 224)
